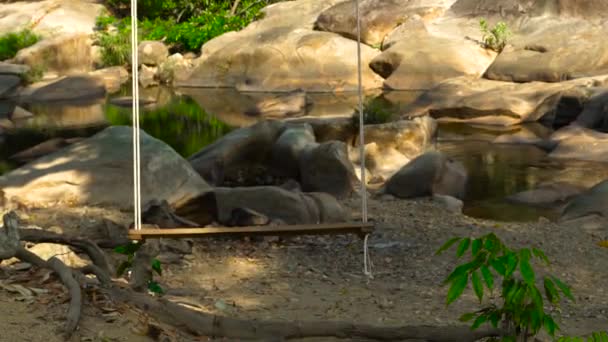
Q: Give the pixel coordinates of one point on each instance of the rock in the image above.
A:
(575, 142)
(287, 149)
(179, 246)
(451, 204)
(246, 146)
(547, 195)
(51, 16)
(411, 28)
(482, 101)
(280, 106)
(327, 168)
(243, 217)
(591, 202)
(147, 76)
(152, 53)
(20, 114)
(127, 101)
(63, 54)
(95, 172)
(202, 209)
(13, 69)
(519, 137)
(308, 60)
(330, 210)
(429, 174)
(566, 8)
(378, 18)
(595, 112)
(42, 149)
(175, 67)
(113, 77)
(326, 129)
(571, 48)
(277, 203)
(422, 61)
(8, 83)
(48, 250)
(69, 88)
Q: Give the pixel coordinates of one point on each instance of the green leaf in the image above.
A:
(458, 271)
(541, 255)
(120, 249)
(155, 287)
(495, 318)
(447, 245)
(565, 288)
(476, 247)
(537, 298)
(511, 260)
(499, 267)
(526, 271)
(549, 325)
(156, 266)
(457, 288)
(122, 268)
(551, 291)
(487, 277)
(481, 319)
(477, 285)
(463, 246)
(467, 317)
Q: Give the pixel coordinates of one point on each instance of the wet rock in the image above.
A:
(63, 54)
(152, 53)
(591, 202)
(93, 172)
(429, 174)
(147, 76)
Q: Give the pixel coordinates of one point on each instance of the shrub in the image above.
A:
(375, 111)
(114, 38)
(11, 43)
(495, 38)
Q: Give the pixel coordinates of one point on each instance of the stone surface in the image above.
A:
(69, 88)
(48, 250)
(62, 54)
(147, 76)
(429, 174)
(575, 142)
(423, 60)
(13, 69)
(113, 77)
(8, 83)
(591, 202)
(287, 149)
(509, 8)
(174, 68)
(595, 111)
(449, 203)
(96, 172)
(152, 53)
(547, 195)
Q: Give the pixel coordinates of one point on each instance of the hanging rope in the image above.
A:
(135, 119)
(367, 264)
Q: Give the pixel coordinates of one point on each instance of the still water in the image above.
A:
(190, 119)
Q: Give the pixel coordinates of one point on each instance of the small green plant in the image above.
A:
(114, 38)
(11, 43)
(521, 309)
(375, 111)
(130, 250)
(595, 337)
(35, 74)
(495, 38)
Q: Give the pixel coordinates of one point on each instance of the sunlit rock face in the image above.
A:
(98, 171)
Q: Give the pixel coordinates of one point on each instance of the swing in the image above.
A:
(362, 229)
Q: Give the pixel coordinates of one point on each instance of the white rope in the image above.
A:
(367, 265)
(135, 119)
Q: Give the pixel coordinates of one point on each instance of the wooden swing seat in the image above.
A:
(358, 228)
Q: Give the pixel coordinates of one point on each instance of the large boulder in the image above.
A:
(64, 54)
(327, 168)
(152, 53)
(553, 50)
(287, 149)
(591, 202)
(8, 83)
(516, 8)
(575, 142)
(277, 203)
(284, 59)
(481, 101)
(595, 111)
(423, 60)
(51, 16)
(97, 171)
(378, 17)
(69, 88)
(112, 78)
(432, 173)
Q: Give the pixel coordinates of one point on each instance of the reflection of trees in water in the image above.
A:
(181, 123)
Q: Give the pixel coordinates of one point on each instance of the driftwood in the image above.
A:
(198, 323)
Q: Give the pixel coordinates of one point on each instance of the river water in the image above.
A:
(190, 119)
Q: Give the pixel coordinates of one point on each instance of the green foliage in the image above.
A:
(11, 43)
(522, 309)
(495, 38)
(114, 38)
(595, 337)
(130, 250)
(376, 110)
(35, 74)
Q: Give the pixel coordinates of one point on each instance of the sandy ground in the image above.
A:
(321, 278)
